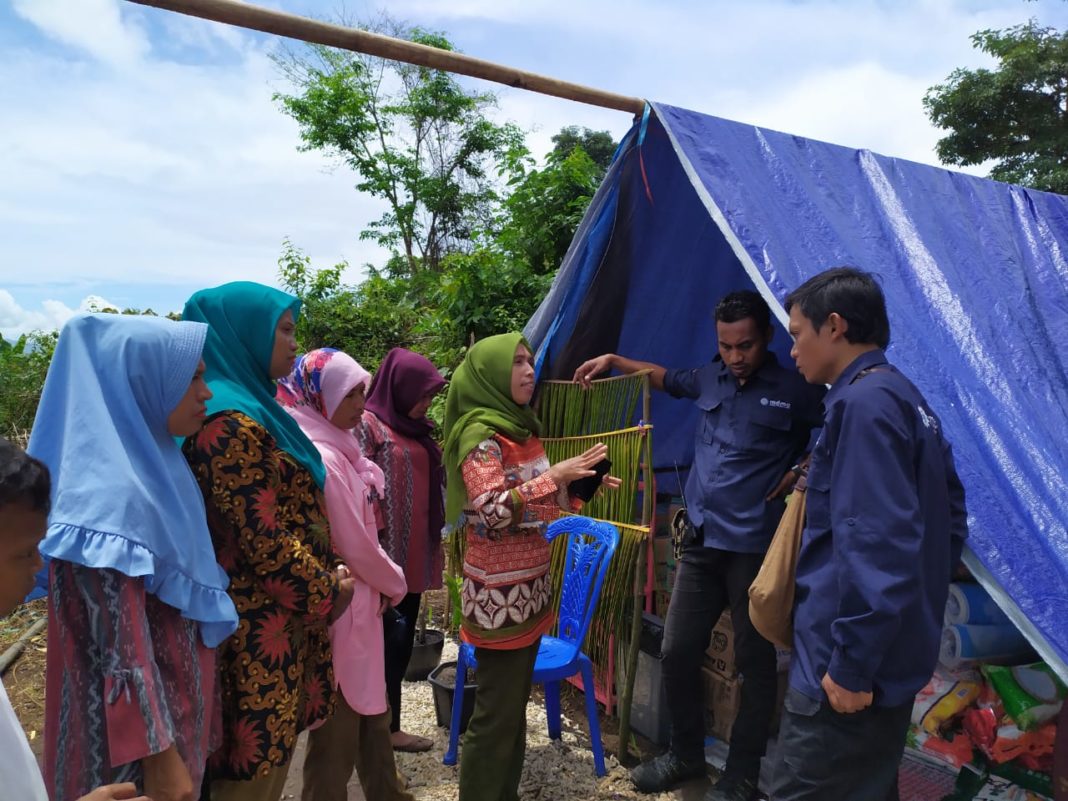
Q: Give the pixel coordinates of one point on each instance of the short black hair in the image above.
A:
(741, 305)
(854, 294)
(23, 480)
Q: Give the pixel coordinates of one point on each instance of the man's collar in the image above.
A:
(865, 360)
(770, 363)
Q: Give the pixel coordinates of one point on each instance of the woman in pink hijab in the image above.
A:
(325, 395)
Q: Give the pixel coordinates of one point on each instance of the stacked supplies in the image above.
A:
(989, 711)
(978, 632)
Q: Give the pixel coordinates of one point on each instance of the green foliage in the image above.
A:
(24, 365)
(1015, 113)
(545, 208)
(456, 603)
(598, 145)
(415, 137)
(364, 321)
(478, 295)
(493, 284)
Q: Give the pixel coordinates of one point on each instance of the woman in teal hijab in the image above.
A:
(262, 481)
(503, 491)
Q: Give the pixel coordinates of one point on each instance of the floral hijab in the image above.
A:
(311, 393)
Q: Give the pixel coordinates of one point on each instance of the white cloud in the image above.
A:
(16, 320)
(178, 169)
(95, 26)
(168, 172)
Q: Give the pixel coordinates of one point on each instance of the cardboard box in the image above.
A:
(663, 565)
(719, 656)
(723, 697)
(723, 700)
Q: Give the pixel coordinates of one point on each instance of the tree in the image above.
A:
(365, 321)
(546, 206)
(24, 365)
(1014, 114)
(599, 145)
(415, 137)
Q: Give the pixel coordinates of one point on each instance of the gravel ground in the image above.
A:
(553, 770)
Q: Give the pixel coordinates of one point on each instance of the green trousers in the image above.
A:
(491, 759)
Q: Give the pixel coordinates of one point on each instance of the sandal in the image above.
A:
(411, 743)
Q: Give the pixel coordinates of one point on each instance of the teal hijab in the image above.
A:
(479, 405)
(242, 317)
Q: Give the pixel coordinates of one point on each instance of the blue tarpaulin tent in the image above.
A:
(975, 274)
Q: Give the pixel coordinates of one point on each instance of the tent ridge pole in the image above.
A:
(293, 26)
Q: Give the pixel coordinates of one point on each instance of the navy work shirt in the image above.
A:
(748, 436)
(885, 524)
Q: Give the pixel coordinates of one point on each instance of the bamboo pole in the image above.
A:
(11, 654)
(627, 697)
(293, 26)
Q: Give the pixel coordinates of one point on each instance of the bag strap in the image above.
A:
(802, 480)
(867, 371)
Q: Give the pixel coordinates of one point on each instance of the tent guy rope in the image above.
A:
(293, 26)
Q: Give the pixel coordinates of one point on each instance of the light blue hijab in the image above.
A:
(123, 496)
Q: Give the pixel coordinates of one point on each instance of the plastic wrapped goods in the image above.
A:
(965, 646)
(970, 604)
(1032, 694)
(945, 698)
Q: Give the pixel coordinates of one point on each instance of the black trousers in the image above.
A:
(708, 581)
(398, 651)
(825, 754)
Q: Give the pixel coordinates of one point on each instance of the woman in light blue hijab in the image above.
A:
(137, 601)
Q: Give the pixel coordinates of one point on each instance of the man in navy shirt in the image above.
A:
(885, 524)
(755, 422)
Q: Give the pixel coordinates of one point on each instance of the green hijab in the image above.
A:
(479, 405)
(242, 317)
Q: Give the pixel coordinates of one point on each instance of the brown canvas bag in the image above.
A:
(771, 595)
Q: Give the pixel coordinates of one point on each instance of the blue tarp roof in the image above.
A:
(976, 279)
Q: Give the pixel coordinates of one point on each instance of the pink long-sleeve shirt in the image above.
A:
(356, 637)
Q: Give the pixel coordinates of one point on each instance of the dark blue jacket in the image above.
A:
(884, 529)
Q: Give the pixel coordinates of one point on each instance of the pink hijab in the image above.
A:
(311, 393)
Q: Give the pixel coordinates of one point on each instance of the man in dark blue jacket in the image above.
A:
(755, 421)
(884, 529)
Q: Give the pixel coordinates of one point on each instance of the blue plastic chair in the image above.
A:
(589, 550)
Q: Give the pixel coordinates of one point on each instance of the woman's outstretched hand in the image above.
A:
(563, 473)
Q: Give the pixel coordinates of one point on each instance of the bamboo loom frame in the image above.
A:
(634, 552)
(294, 26)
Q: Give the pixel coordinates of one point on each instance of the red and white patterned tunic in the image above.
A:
(506, 586)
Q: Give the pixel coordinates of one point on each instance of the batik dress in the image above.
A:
(127, 677)
(507, 589)
(271, 535)
(405, 507)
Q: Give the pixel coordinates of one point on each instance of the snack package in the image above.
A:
(944, 699)
(981, 725)
(1010, 742)
(1032, 694)
(955, 750)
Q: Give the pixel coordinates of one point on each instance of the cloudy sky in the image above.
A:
(141, 155)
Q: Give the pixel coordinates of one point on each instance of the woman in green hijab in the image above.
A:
(503, 492)
(262, 481)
